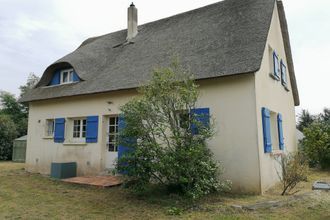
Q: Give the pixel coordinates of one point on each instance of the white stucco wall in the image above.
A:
(231, 103)
(272, 95)
(90, 157)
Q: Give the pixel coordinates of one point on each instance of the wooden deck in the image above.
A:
(99, 181)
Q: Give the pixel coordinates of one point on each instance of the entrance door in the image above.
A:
(112, 142)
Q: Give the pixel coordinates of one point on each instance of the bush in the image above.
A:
(7, 135)
(294, 169)
(316, 144)
(168, 152)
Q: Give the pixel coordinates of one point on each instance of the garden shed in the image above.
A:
(19, 149)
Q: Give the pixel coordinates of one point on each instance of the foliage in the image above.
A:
(167, 151)
(14, 118)
(305, 119)
(15, 111)
(32, 80)
(7, 134)
(316, 144)
(325, 116)
(294, 169)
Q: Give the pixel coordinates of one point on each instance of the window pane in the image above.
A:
(65, 76)
(76, 128)
(84, 128)
(50, 127)
(111, 148)
(112, 120)
(112, 129)
(70, 76)
(113, 134)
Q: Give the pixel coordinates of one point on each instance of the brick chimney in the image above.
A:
(132, 22)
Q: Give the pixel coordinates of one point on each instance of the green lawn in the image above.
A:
(32, 196)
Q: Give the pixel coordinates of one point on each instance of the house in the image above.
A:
(239, 51)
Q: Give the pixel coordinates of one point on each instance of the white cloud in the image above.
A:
(35, 33)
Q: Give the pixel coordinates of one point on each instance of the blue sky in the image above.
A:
(35, 33)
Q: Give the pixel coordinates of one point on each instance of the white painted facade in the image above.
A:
(235, 104)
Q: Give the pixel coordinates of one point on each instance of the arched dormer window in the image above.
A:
(64, 76)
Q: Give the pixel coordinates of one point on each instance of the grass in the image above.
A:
(33, 196)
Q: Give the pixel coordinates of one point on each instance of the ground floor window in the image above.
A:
(50, 127)
(79, 128)
(112, 141)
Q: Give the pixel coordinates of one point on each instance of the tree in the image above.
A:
(305, 119)
(325, 116)
(32, 80)
(7, 134)
(15, 111)
(171, 145)
(316, 144)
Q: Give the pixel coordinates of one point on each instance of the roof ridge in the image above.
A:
(92, 39)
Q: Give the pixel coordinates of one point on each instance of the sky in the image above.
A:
(35, 33)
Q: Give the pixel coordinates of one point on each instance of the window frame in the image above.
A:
(70, 73)
(284, 80)
(115, 134)
(276, 72)
(47, 128)
(82, 127)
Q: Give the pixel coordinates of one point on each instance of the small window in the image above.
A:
(79, 128)
(274, 131)
(67, 76)
(50, 127)
(112, 142)
(276, 66)
(283, 73)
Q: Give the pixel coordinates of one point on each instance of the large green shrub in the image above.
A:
(7, 135)
(316, 144)
(167, 151)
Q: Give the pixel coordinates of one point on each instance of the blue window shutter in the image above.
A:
(202, 115)
(75, 77)
(56, 78)
(276, 65)
(59, 130)
(283, 73)
(130, 141)
(280, 131)
(266, 130)
(92, 125)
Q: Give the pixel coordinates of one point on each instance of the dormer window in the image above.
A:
(67, 76)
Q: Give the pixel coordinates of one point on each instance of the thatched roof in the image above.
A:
(222, 39)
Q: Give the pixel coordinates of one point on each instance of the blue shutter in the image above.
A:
(56, 78)
(59, 130)
(75, 77)
(122, 149)
(92, 125)
(283, 73)
(202, 116)
(280, 131)
(276, 65)
(266, 130)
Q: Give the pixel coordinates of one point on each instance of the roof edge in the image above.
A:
(288, 52)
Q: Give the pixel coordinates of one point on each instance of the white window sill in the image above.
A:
(274, 76)
(74, 144)
(277, 153)
(48, 137)
(61, 84)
